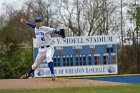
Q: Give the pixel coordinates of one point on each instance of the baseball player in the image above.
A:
(46, 49)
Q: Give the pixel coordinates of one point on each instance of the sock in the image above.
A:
(30, 71)
(51, 66)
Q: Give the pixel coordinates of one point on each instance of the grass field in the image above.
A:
(133, 88)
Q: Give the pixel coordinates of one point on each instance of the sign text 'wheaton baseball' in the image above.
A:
(79, 70)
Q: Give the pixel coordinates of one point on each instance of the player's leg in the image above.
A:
(40, 57)
(49, 55)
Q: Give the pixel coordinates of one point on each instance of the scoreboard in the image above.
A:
(85, 55)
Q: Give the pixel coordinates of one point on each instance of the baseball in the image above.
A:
(21, 20)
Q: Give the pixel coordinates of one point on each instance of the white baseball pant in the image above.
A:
(43, 53)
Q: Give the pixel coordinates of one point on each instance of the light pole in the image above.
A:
(122, 45)
(121, 24)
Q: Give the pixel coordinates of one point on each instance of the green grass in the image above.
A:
(134, 88)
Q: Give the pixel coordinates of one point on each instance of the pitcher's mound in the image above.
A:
(41, 83)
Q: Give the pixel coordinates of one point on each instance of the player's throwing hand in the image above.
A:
(22, 20)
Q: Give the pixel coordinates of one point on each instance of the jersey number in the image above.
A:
(42, 38)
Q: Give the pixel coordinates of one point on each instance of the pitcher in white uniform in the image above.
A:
(46, 50)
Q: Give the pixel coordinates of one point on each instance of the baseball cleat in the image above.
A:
(53, 78)
(25, 76)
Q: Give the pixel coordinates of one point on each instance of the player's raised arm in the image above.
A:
(31, 24)
(24, 21)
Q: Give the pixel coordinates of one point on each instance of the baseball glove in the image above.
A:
(62, 33)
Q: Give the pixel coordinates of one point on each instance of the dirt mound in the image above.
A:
(41, 83)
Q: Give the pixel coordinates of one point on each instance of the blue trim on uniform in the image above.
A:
(31, 24)
(56, 31)
(51, 66)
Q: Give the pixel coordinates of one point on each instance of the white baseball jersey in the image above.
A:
(43, 35)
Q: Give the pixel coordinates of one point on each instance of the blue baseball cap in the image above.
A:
(38, 19)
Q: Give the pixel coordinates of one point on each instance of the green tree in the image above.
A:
(16, 53)
(14, 63)
(131, 53)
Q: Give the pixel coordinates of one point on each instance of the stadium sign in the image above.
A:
(84, 55)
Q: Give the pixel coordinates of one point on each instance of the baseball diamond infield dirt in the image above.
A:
(41, 83)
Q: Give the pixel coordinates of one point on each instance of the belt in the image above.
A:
(45, 46)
